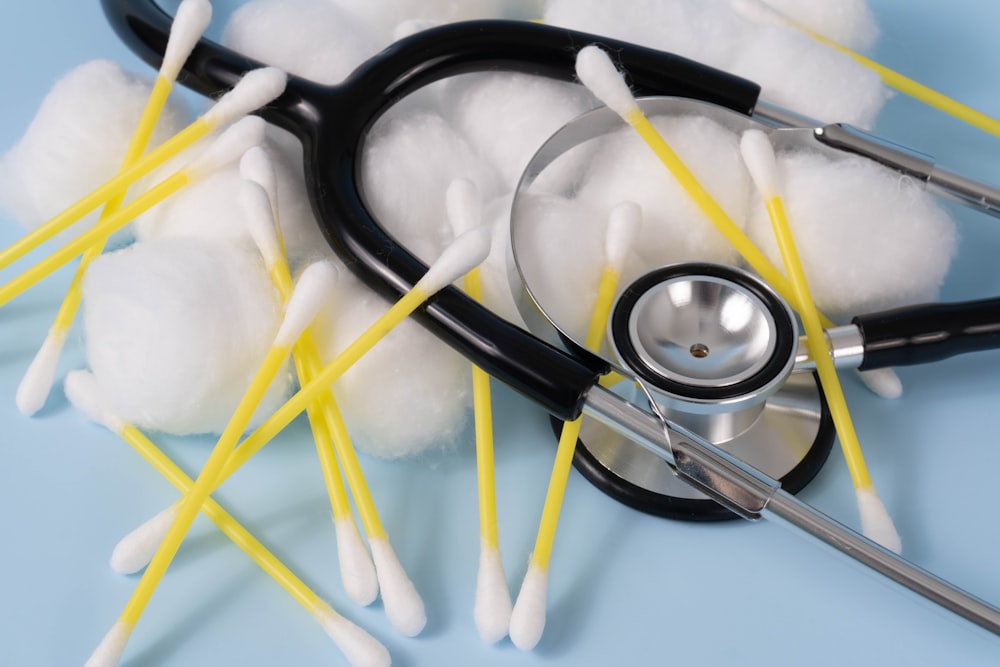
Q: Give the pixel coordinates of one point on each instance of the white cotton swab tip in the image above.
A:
(356, 568)
(403, 605)
(259, 216)
(254, 90)
(465, 253)
(190, 21)
(527, 621)
(493, 604)
(624, 222)
(464, 206)
(312, 290)
(38, 378)
(883, 382)
(758, 12)
(134, 551)
(359, 647)
(758, 156)
(109, 652)
(876, 524)
(596, 71)
(229, 146)
(256, 165)
(83, 393)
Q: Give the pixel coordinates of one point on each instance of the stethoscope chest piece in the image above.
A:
(714, 347)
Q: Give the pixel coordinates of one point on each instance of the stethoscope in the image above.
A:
(672, 404)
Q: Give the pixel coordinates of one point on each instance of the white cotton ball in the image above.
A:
(77, 140)
(674, 228)
(495, 273)
(507, 116)
(702, 30)
(175, 330)
(384, 15)
(797, 72)
(314, 39)
(406, 167)
(869, 238)
(408, 394)
(847, 22)
(561, 252)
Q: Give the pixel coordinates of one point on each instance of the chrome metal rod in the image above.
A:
(753, 495)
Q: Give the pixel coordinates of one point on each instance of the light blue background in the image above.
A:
(625, 588)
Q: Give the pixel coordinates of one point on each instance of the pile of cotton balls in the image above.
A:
(176, 322)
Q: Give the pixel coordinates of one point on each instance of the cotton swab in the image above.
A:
(254, 90)
(259, 206)
(596, 71)
(493, 604)
(360, 648)
(528, 619)
(312, 288)
(758, 154)
(232, 143)
(189, 23)
(760, 12)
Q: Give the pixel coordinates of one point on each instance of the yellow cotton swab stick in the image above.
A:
(596, 71)
(528, 619)
(313, 286)
(760, 12)
(232, 143)
(189, 23)
(493, 604)
(358, 646)
(356, 567)
(254, 90)
(758, 154)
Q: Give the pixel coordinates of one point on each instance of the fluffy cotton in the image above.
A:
(77, 140)
(314, 39)
(382, 16)
(407, 165)
(208, 207)
(409, 394)
(506, 116)
(847, 22)
(792, 69)
(175, 330)
(869, 238)
(674, 228)
(797, 72)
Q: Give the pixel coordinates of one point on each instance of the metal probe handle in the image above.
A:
(753, 495)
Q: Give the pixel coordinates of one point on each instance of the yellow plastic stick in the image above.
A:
(97, 234)
(483, 415)
(203, 485)
(114, 187)
(711, 208)
(267, 561)
(571, 430)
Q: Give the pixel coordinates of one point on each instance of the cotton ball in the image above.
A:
(496, 272)
(313, 39)
(407, 165)
(560, 252)
(702, 30)
(77, 140)
(797, 72)
(408, 394)
(869, 238)
(507, 116)
(175, 330)
(847, 22)
(384, 15)
(674, 228)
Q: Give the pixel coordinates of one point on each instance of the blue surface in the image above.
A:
(625, 588)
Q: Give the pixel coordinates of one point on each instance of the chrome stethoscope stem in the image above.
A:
(753, 495)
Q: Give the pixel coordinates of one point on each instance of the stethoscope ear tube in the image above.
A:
(926, 333)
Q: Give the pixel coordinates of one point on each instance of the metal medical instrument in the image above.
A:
(332, 124)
